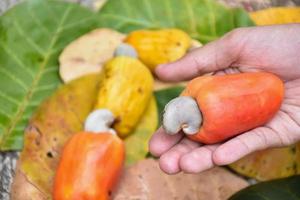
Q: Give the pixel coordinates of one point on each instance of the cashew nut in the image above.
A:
(182, 113)
(100, 120)
(125, 49)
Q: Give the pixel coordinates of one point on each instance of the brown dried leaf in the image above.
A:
(88, 53)
(145, 181)
(55, 121)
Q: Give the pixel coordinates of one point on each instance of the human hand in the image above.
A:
(274, 49)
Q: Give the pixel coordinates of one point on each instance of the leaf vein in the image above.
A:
(29, 95)
(13, 78)
(29, 41)
(5, 114)
(53, 16)
(126, 8)
(38, 22)
(8, 98)
(169, 11)
(150, 10)
(17, 60)
(50, 69)
(191, 15)
(212, 23)
(72, 25)
(45, 87)
(129, 20)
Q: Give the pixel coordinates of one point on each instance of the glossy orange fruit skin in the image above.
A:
(233, 104)
(89, 167)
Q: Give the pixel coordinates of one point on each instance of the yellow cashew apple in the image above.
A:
(125, 91)
(156, 47)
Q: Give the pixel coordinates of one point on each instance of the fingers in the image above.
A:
(162, 142)
(189, 157)
(169, 161)
(212, 57)
(242, 145)
(198, 160)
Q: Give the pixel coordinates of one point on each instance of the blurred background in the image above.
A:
(248, 4)
(8, 159)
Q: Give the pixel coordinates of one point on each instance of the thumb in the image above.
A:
(214, 56)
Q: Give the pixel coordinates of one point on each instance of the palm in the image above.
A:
(271, 49)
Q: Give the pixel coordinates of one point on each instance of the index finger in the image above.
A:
(161, 142)
(212, 57)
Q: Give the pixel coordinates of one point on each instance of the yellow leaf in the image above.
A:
(137, 142)
(279, 15)
(269, 164)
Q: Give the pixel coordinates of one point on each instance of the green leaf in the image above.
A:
(287, 189)
(165, 95)
(137, 142)
(205, 20)
(32, 35)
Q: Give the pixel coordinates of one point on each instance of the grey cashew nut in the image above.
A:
(100, 120)
(125, 49)
(182, 113)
